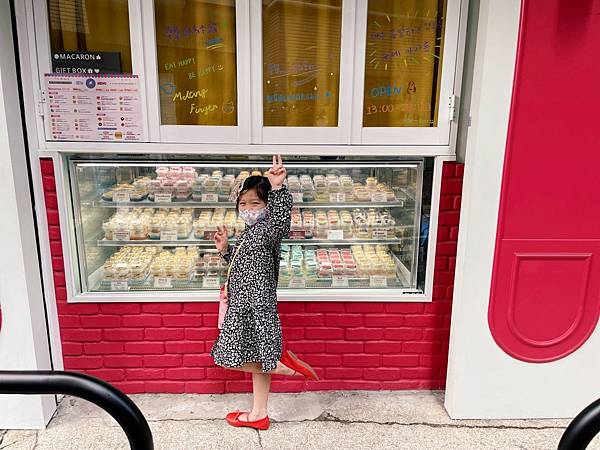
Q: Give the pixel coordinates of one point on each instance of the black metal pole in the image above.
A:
(584, 427)
(107, 397)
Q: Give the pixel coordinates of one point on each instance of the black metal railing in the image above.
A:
(582, 429)
(107, 397)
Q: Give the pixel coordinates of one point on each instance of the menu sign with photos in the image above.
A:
(93, 108)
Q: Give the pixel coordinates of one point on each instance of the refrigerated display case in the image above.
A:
(147, 226)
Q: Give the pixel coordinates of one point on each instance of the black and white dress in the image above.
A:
(251, 328)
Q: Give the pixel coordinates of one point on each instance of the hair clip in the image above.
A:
(235, 192)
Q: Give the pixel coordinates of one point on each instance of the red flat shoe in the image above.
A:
(290, 360)
(233, 419)
(231, 415)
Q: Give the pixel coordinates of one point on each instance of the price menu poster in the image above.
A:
(93, 108)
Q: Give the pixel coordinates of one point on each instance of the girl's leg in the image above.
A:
(261, 382)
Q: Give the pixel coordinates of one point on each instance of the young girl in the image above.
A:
(250, 339)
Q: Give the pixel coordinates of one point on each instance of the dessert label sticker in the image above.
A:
(379, 197)
(210, 282)
(119, 286)
(163, 282)
(209, 235)
(121, 196)
(339, 281)
(338, 197)
(121, 236)
(298, 234)
(379, 234)
(297, 283)
(335, 235)
(210, 198)
(163, 197)
(377, 281)
(168, 235)
(93, 107)
(297, 197)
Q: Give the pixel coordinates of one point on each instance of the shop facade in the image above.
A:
(142, 118)
(368, 305)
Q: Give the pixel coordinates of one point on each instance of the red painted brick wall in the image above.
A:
(163, 347)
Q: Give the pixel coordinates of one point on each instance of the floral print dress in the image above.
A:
(251, 328)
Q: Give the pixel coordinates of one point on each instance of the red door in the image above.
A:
(545, 293)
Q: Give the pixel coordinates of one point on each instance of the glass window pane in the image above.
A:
(90, 26)
(148, 224)
(196, 62)
(301, 62)
(403, 63)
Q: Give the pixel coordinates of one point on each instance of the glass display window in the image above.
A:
(403, 61)
(303, 76)
(89, 37)
(196, 59)
(404, 72)
(197, 64)
(148, 226)
(301, 62)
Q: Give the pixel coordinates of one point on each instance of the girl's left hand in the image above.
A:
(277, 173)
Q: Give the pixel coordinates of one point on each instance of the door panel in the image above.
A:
(545, 296)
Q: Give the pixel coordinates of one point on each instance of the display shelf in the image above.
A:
(230, 205)
(206, 243)
(148, 285)
(198, 284)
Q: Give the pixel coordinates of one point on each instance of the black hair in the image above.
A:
(258, 183)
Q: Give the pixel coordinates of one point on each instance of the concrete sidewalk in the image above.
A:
(313, 420)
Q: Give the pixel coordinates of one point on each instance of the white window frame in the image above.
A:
(450, 84)
(304, 135)
(250, 132)
(44, 51)
(238, 134)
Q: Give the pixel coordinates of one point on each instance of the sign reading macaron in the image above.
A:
(86, 62)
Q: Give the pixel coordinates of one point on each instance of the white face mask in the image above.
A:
(251, 216)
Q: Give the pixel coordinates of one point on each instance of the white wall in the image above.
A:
(23, 336)
(25, 32)
(464, 112)
(483, 381)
